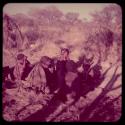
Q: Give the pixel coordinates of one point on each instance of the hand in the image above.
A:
(56, 91)
(51, 70)
(6, 78)
(61, 58)
(18, 81)
(47, 90)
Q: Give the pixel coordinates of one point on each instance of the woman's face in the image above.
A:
(21, 61)
(48, 64)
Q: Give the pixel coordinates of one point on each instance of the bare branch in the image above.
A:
(116, 87)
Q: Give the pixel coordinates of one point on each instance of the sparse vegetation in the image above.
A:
(45, 31)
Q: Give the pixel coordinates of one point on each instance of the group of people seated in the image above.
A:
(56, 76)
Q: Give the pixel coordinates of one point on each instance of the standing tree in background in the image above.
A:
(12, 35)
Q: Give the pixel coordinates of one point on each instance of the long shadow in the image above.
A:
(107, 109)
(88, 86)
(55, 102)
(85, 115)
(91, 83)
(45, 111)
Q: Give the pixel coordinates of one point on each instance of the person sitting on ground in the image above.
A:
(51, 76)
(37, 79)
(22, 68)
(20, 71)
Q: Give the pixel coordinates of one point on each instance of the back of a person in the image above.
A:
(36, 77)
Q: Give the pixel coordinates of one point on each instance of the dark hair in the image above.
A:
(44, 59)
(20, 56)
(65, 49)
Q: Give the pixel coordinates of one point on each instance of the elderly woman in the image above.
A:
(37, 77)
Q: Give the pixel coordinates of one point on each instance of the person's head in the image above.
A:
(51, 63)
(21, 58)
(64, 52)
(45, 61)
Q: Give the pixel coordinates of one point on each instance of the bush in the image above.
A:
(32, 35)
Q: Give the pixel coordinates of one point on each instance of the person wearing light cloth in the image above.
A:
(19, 72)
(37, 77)
(21, 65)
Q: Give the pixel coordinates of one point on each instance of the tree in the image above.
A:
(71, 17)
(47, 15)
(108, 17)
(13, 34)
(100, 42)
(32, 35)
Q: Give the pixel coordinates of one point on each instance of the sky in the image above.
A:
(84, 9)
